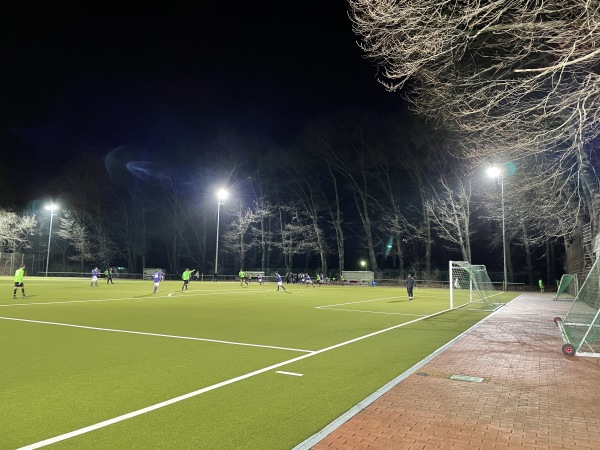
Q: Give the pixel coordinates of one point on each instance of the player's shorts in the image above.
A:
(18, 284)
(186, 282)
(94, 278)
(156, 283)
(280, 283)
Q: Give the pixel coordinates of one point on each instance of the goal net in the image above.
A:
(471, 287)
(567, 287)
(581, 325)
(358, 277)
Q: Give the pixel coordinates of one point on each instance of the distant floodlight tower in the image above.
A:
(363, 264)
(222, 195)
(498, 173)
(52, 208)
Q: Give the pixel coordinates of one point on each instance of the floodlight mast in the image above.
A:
(498, 173)
(52, 207)
(222, 195)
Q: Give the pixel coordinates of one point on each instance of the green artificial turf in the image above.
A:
(81, 367)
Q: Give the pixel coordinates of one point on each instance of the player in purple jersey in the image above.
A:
(279, 281)
(157, 278)
(308, 280)
(94, 277)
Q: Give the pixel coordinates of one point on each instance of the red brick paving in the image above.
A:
(532, 396)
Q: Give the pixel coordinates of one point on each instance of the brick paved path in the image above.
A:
(532, 395)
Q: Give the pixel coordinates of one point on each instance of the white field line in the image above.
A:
(361, 301)
(294, 374)
(371, 312)
(145, 297)
(189, 338)
(171, 401)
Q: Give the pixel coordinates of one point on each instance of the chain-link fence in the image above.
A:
(9, 262)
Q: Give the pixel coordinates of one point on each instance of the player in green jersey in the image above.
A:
(19, 275)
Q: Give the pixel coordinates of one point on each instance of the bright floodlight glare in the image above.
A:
(222, 194)
(494, 172)
(363, 263)
(51, 207)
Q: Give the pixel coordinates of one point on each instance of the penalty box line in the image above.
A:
(143, 333)
(180, 398)
(359, 301)
(374, 312)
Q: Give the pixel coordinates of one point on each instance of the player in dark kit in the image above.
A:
(410, 285)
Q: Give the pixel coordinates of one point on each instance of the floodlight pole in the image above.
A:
(498, 173)
(222, 195)
(50, 208)
(503, 231)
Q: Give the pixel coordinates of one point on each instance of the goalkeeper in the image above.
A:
(410, 285)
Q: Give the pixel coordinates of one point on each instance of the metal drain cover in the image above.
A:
(466, 378)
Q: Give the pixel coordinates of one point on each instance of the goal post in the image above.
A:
(580, 327)
(568, 287)
(471, 287)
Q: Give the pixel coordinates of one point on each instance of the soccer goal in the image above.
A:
(471, 287)
(580, 327)
(568, 287)
(358, 277)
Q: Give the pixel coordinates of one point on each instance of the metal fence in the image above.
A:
(10, 262)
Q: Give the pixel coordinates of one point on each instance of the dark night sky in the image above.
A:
(84, 75)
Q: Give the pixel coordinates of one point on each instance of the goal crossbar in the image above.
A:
(471, 287)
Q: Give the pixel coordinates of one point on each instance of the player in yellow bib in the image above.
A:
(19, 275)
(185, 276)
(243, 278)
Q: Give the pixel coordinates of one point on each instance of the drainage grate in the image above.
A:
(466, 378)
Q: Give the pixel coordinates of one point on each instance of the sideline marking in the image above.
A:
(172, 336)
(290, 373)
(171, 401)
(143, 297)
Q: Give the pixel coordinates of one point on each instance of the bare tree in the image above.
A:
(73, 230)
(15, 230)
(450, 212)
(297, 235)
(519, 80)
(316, 145)
(352, 152)
(237, 239)
(394, 221)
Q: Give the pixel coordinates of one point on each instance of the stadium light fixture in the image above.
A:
(52, 208)
(363, 264)
(497, 173)
(222, 195)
